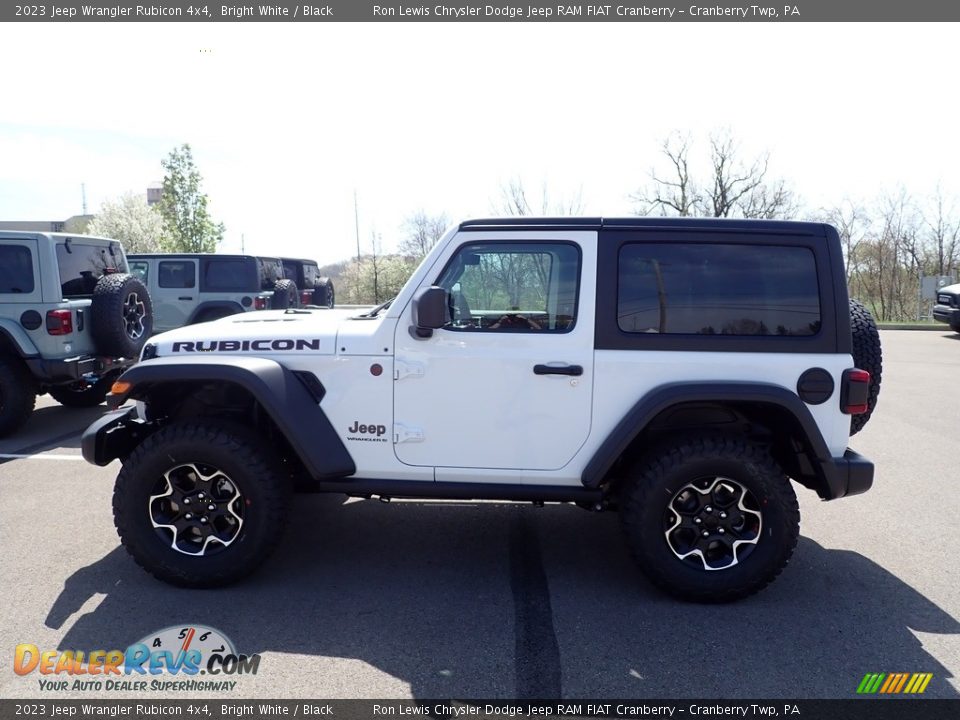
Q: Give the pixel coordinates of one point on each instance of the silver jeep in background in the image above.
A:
(71, 319)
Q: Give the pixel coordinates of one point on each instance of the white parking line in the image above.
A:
(38, 456)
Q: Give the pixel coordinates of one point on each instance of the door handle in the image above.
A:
(184, 298)
(558, 370)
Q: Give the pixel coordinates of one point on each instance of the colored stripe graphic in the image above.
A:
(894, 683)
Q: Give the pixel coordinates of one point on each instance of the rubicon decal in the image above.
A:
(894, 683)
(367, 433)
(246, 345)
(174, 651)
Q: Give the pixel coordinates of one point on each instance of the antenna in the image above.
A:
(83, 193)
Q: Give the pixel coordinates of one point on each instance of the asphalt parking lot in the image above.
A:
(489, 600)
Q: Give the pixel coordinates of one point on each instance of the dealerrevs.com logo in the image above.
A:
(191, 658)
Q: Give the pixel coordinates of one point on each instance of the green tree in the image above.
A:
(131, 221)
(186, 222)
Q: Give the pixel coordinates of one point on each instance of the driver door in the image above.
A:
(507, 382)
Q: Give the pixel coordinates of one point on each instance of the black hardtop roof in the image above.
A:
(195, 256)
(626, 223)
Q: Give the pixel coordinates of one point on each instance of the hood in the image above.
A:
(952, 289)
(263, 332)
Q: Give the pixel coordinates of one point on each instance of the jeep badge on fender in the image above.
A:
(684, 373)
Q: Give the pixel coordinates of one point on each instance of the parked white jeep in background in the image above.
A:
(681, 372)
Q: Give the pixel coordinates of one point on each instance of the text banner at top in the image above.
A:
(494, 11)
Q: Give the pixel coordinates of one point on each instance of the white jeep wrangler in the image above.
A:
(679, 371)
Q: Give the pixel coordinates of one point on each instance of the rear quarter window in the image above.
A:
(16, 269)
(717, 289)
(227, 275)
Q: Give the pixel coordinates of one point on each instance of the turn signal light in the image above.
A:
(121, 387)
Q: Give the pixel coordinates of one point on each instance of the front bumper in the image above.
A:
(850, 475)
(114, 435)
(947, 314)
(67, 370)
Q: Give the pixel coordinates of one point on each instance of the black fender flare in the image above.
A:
(833, 473)
(291, 402)
(233, 307)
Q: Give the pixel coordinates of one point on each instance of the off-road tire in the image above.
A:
(323, 293)
(868, 356)
(115, 332)
(18, 395)
(645, 500)
(285, 295)
(80, 395)
(242, 457)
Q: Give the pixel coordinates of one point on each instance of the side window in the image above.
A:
(717, 289)
(226, 276)
(16, 269)
(176, 274)
(141, 269)
(508, 287)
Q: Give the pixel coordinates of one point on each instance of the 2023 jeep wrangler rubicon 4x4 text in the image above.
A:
(678, 371)
(71, 320)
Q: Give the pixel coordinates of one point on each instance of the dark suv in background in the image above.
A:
(315, 289)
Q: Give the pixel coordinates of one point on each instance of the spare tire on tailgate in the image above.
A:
(323, 294)
(866, 356)
(285, 295)
(121, 315)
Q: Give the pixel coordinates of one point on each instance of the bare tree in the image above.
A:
(943, 230)
(737, 188)
(676, 196)
(513, 201)
(422, 232)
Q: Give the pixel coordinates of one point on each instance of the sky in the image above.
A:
(289, 121)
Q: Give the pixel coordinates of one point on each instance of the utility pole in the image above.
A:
(83, 193)
(243, 244)
(356, 227)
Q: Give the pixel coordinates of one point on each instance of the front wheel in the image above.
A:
(710, 519)
(200, 503)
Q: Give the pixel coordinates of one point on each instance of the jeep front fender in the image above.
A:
(290, 402)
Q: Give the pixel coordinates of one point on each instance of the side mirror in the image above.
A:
(430, 311)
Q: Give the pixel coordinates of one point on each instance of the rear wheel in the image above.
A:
(17, 395)
(82, 394)
(323, 293)
(710, 519)
(200, 503)
(121, 315)
(867, 356)
(285, 295)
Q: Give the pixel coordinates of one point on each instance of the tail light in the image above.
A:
(259, 303)
(59, 322)
(306, 297)
(855, 391)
